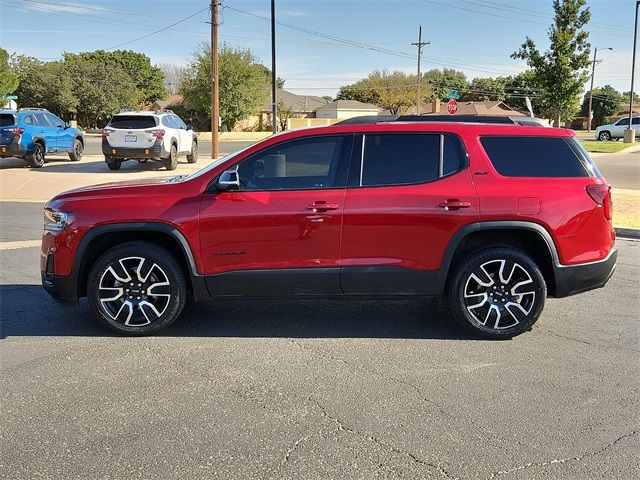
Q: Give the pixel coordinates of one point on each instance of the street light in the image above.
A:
(630, 133)
(593, 74)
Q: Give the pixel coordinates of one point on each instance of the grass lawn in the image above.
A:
(594, 146)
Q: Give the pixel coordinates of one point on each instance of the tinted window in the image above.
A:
(624, 121)
(179, 123)
(53, 120)
(132, 122)
(41, 120)
(399, 159)
(454, 157)
(533, 157)
(29, 120)
(7, 119)
(635, 121)
(308, 163)
(167, 121)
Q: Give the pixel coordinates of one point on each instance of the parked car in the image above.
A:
(142, 136)
(32, 133)
(616, 130)
(490, 218)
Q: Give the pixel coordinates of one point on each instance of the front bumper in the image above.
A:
(573, 279)
(63, 289)
(154, 151)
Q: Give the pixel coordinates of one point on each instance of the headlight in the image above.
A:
(54, 221)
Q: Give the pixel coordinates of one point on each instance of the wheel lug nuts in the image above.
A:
(494, 287)
(137, 298)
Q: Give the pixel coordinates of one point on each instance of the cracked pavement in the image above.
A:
(317, 389)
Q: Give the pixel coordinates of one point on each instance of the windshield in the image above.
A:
(216, 163)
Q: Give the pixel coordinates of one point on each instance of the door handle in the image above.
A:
(322, 206)
(454, 204)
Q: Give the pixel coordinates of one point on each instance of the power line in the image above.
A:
(103, 10)
(158, 31)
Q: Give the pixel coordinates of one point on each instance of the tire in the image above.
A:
(113, 163)
(119, 284)
(35, 158)
(604, 136)
(171, 163)
(497, 293)
(75, 155)
(193, 156)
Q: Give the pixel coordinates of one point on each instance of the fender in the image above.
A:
(34, 139)
(197, 281)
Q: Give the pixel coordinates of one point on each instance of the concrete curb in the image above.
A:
(628, 232)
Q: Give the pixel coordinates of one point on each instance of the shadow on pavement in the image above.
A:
(26, 310)
(62, 165)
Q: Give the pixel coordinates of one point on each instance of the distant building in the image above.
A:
(163, 104)
(343, 109)
(489, 107)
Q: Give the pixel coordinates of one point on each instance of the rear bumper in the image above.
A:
(154, 151)
(12, 149)
(574, 279)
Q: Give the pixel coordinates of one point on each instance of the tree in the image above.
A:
(8, 81)
(393, 91)
(561, 70)
(284, 113)
(636, 97)
(521, 86)
(148, 79)
(606, 101)
(443, 81)
(327, 98)
(244, 84)
(486, 88)
(173, 75)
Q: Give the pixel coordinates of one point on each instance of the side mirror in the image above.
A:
(189, 127)
(228, 181)
(66, 125)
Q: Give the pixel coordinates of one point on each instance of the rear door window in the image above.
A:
(41, 120)
(7, 119)
(133, 122)
(520, 156)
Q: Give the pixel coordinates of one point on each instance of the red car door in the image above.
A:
(280, 232)
(408, 196)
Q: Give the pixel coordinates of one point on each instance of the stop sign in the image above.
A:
(452, 106)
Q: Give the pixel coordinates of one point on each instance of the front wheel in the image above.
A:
(136, 288)
(193, 156)
(75, 155)
(604, 136)
(497, 293)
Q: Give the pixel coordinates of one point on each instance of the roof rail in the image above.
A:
(125, 110)
(32, 109)
(487, 119)
(163, 110)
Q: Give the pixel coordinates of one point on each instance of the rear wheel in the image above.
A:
(75, 155)
(113, 163)
(497, 293)
(171, 163)
(193, 156)
(604, 136)
(36, 156)
(136, 288)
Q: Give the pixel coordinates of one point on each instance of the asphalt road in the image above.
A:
(315, 388)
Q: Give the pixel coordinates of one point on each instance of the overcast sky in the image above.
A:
(475, 36)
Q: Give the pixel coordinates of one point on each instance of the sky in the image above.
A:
(321, 45)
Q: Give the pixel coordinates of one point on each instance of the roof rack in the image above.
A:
(125, 110)
(32, 109)
(163, 110)
(488, 119)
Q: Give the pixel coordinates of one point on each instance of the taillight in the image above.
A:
(601, 194)
(156, 133)
(106, 133)
(16, 132)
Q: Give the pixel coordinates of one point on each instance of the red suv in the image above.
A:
(491, 218)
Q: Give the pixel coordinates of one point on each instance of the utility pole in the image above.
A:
(630, 133)
(419, 44)
(593, 73)
(215, 91)
(274, 101)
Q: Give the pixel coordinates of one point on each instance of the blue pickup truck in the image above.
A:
(32, 133)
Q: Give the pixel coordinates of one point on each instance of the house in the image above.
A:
(163, 104)
(343, 109)
(298, 106)
(489, 107)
